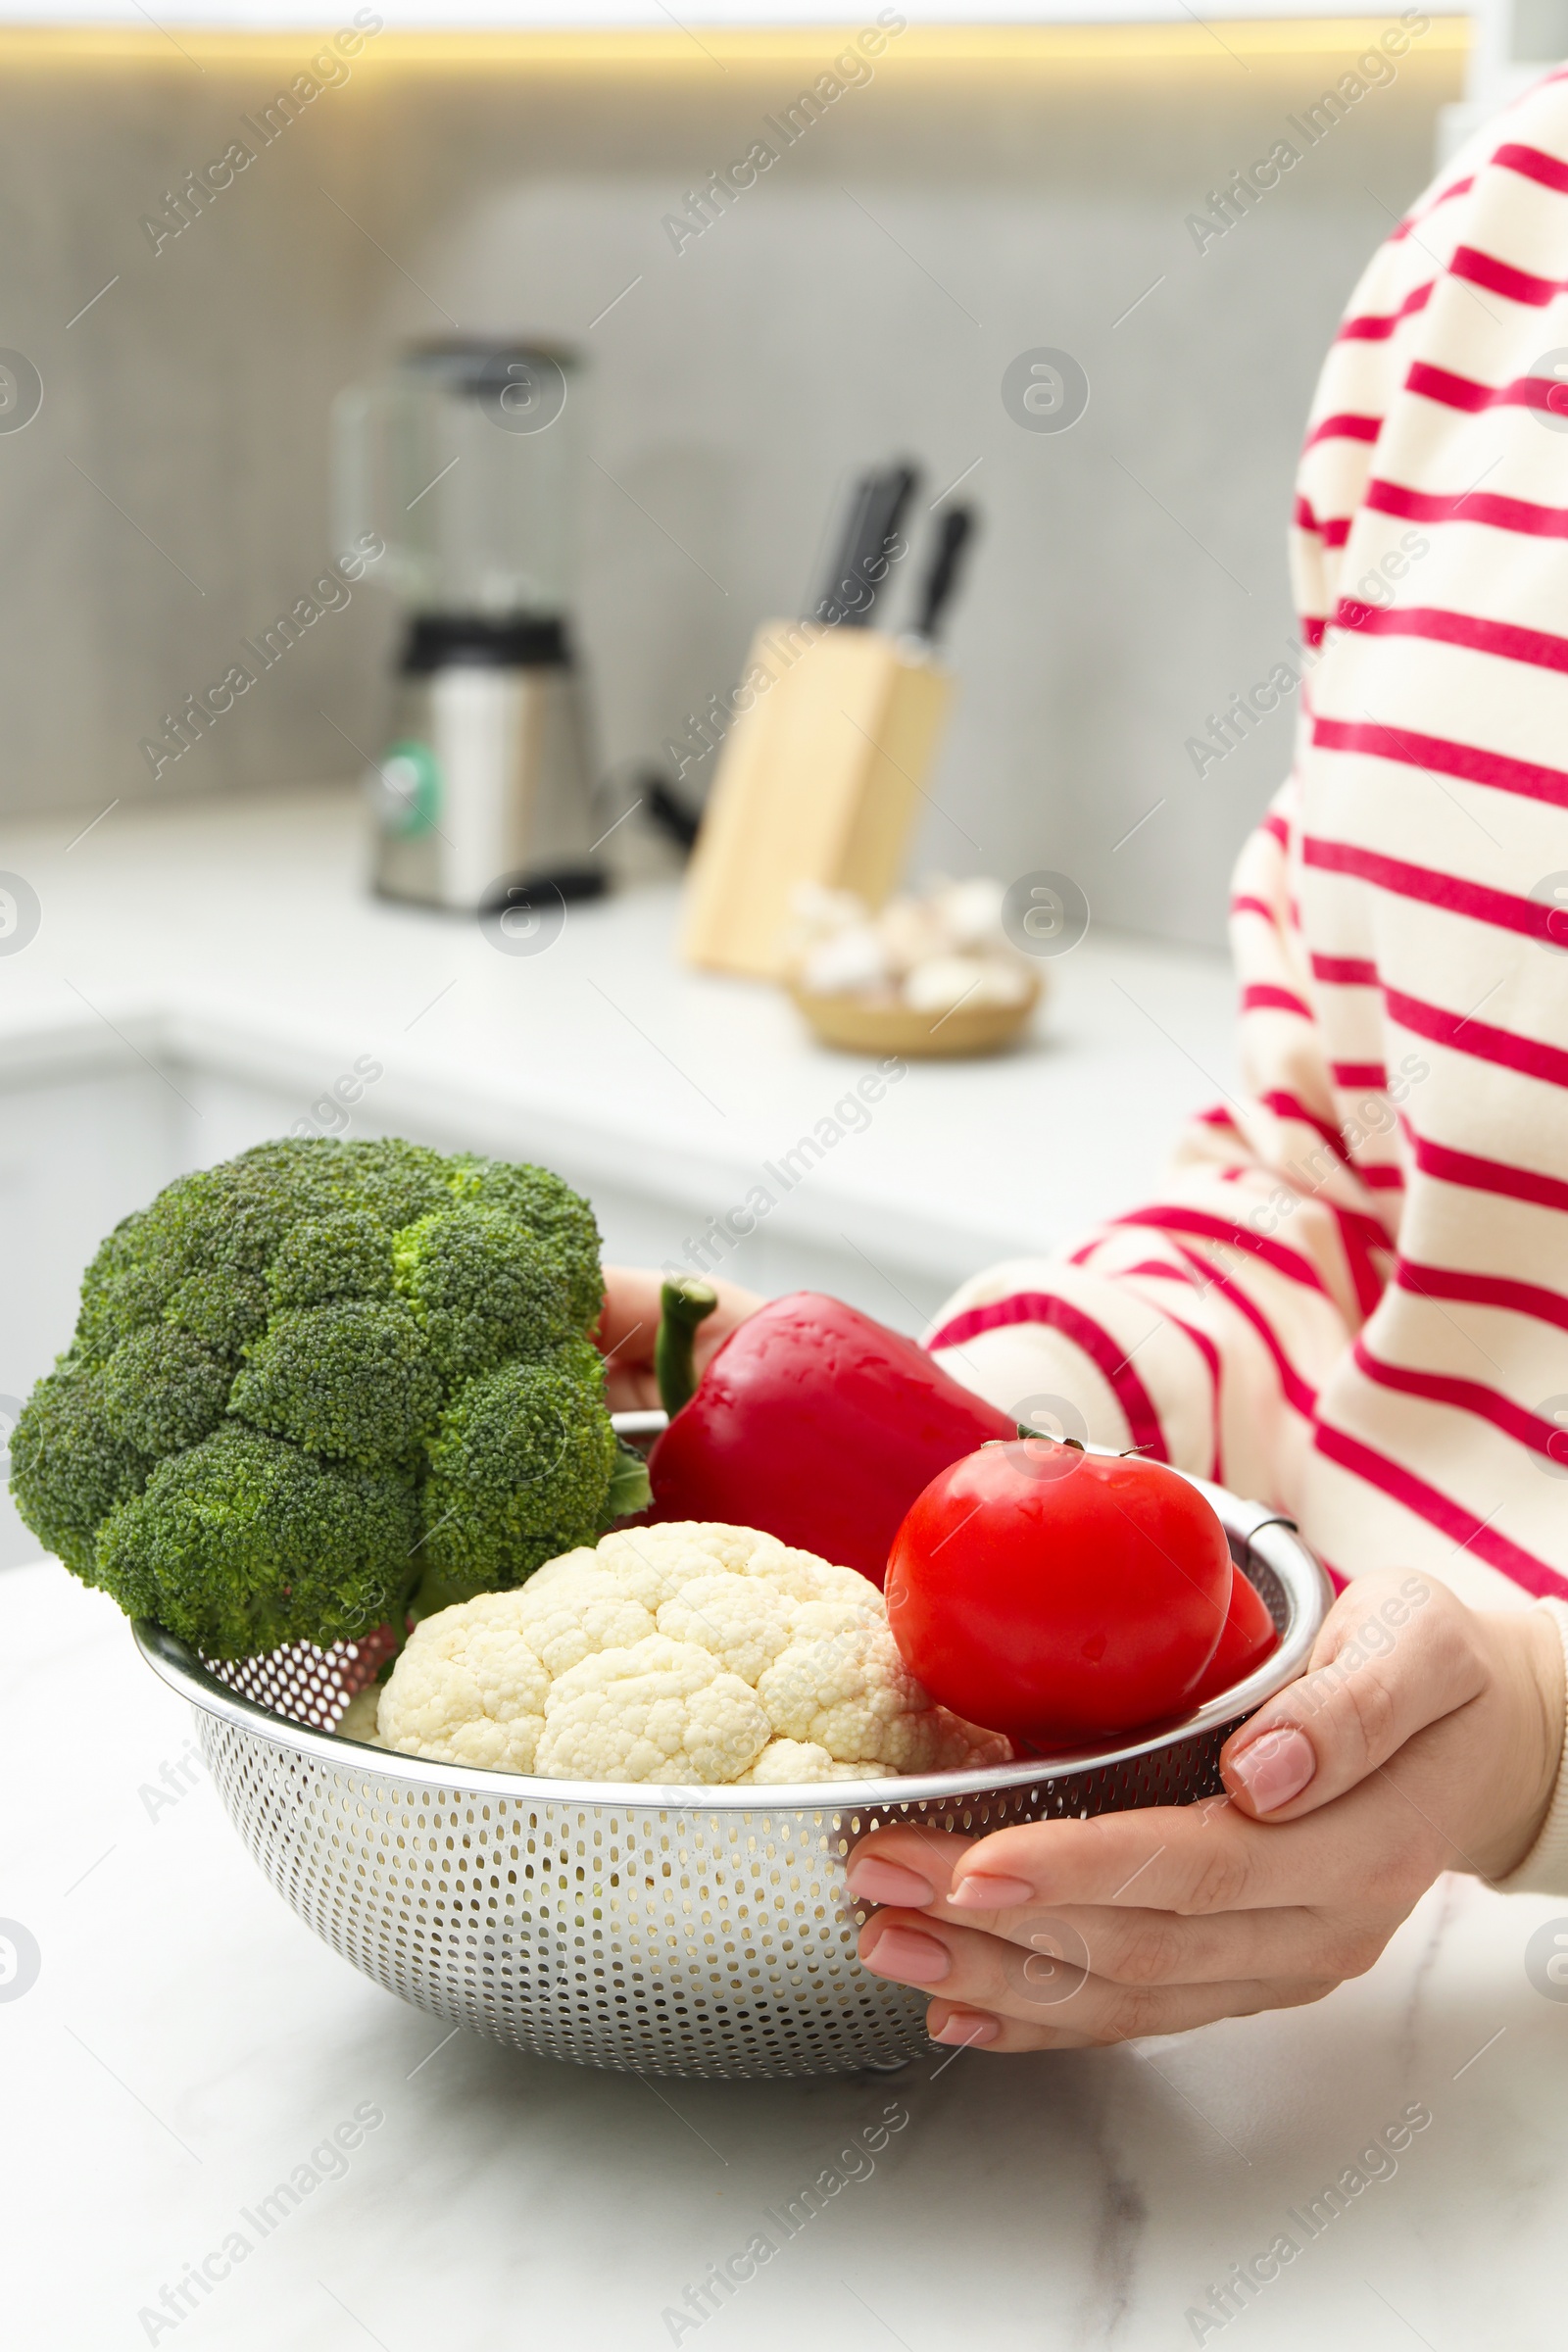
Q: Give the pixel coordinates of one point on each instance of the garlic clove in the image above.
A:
(943, 982)
(970, 912)
(850, 959)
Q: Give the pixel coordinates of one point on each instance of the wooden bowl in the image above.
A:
(863, 1024)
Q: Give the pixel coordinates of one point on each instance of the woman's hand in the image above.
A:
(1425, 1737)
(630, 1324)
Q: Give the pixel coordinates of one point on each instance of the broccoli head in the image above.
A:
(308, 1379)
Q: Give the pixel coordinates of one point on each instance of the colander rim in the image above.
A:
(1252, 1530)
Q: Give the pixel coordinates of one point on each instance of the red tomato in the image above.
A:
(1245, 1639)
(1058, 1596)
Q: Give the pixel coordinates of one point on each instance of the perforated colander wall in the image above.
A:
(694, 1942)
(668, 1936)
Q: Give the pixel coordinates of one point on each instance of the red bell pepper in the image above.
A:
(813, 1423)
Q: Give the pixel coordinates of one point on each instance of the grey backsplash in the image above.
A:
(862, 299)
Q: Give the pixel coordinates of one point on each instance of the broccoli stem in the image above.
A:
(683, 1305)
(629, 1487)
(409, 1599)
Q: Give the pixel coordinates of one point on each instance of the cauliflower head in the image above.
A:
(685, 1654)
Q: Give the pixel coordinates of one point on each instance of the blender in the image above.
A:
(462, 458)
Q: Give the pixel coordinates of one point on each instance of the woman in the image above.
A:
(1351, 1298)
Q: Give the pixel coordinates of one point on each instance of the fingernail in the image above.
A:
(968, 2028)
(872, 1880)
(979, 1891)
(1274, 1768)
(905, 1953)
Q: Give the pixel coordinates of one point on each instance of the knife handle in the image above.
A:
(957, 528)
(829, 607)
(895, 488)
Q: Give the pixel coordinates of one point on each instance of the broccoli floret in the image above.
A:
(520, 1470)
(481, 1289)
(224, 1310)
(131, 1280)
(348, 1256)
(561, 1218)
(245, 1543)
(229, 1218)
(398, 1183)
(307, 1170)
(67, 1467)
(354, 1381)
(289, 1365)
(161, 1391)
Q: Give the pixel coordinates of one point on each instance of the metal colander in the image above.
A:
(667, 1930)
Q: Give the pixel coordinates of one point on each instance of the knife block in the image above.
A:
(818, 781)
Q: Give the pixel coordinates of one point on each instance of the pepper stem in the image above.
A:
(683, 1305)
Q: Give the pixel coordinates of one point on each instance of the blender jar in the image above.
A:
(463, 460)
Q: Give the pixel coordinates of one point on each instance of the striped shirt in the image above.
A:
(1351, 1300)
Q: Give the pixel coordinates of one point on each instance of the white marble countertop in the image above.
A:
(238, 934)
(187, 2044)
